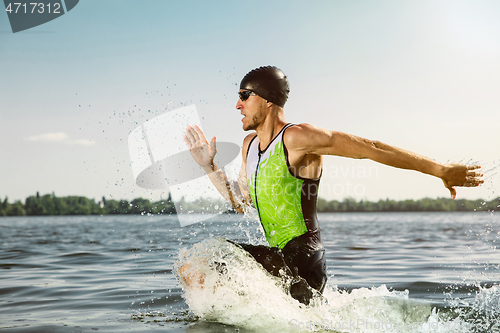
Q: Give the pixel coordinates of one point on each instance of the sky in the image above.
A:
(420, 75)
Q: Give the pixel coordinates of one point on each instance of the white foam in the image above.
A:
(247, 296)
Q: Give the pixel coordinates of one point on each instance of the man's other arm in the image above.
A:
(309, 139)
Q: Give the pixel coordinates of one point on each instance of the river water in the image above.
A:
(388, 272)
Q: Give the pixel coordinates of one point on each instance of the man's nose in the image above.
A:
(239, 104)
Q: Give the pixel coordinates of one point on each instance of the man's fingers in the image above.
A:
(463, 175)
(186, 140)
(473, 167)
(453, 192)
(190, 134)
(471, 181)
(473, 178)
(195, 134)
(213, 146)
(198, 133)
(474, 174)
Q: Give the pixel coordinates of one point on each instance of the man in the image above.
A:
(280, 173)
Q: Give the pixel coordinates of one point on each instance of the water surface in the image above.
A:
(114, 273)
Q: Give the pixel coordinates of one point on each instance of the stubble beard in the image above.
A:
(252, 125)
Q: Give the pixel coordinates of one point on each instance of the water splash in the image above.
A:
(235, 290)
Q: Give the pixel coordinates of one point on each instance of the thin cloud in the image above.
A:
(49, 137)
(60, 137)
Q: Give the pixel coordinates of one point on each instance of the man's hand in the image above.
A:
(461, 175)
(202, 151)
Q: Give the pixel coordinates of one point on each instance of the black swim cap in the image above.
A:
(268, 82)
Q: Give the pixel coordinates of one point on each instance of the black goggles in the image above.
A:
(245, 94)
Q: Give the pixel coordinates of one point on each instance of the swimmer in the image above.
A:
(281, 171)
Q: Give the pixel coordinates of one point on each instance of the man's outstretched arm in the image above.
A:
(203, 153)
(309, 139)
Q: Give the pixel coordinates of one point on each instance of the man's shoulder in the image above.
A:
(296, 135)
(246, 143)
(300, 129)
(249, 137)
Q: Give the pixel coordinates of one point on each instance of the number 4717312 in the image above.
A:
(33, 7)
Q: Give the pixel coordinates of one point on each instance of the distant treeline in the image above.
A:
(422, 205)
(49, 204)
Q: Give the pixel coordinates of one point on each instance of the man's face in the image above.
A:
(252, 110)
